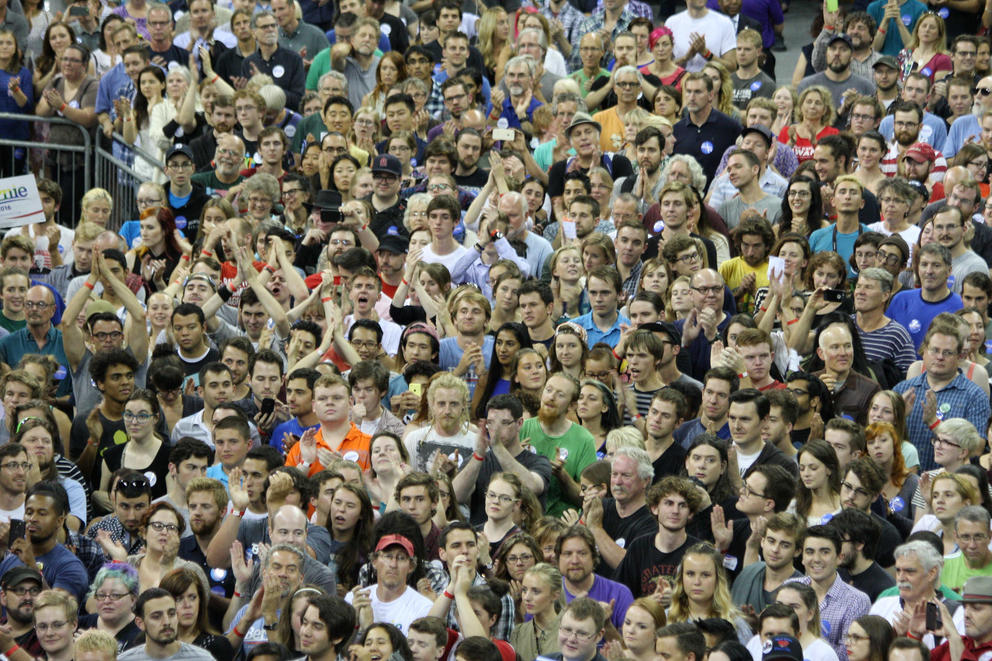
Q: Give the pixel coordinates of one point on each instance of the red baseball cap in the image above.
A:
(390, 540)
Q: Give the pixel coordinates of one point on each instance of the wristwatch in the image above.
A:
(496, 235)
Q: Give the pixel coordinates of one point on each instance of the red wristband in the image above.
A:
(448, 595)
(936, 423)
(475, 455)
(405, 282)
(794, 321)
(185, 258)
(238, 633)
(12, 650)
(206, 253)
(88, 286)
(326, 299)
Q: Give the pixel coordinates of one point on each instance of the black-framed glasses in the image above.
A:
(858, 491)
(748, 491)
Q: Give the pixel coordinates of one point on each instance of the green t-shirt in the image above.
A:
(956, 572)
(581, 447)
(214, 185)
(311, 124)
(945, 592)
(10, 324)
(584, 81)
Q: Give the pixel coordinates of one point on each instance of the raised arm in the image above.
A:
(265, 297)
(72, 335)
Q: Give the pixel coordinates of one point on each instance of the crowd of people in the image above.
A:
(438, 331)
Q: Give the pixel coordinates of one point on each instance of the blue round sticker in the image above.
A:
(926, 71)
(181, 222)
(218, 574)
(706, 147)
(826, 519)
(60, 373)
(897, 504)
(944, 12)
(950, 281)
(659, 227)
(907, 19)
(755, 86)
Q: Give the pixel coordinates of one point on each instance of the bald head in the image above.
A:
(956, 175)
(108, 241)
(39, 306)
(836, 349)
(474, 119)
(289, 526)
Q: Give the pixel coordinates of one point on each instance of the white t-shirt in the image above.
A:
(428, 256)
(744, 461)
(716, 28)
(399, 612)
(391, 333)
(424, 443)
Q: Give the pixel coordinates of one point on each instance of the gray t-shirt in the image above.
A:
(87, 395)
(186, 652)
(961, 266)
(731, 210)
(253, 531)
(837, 89)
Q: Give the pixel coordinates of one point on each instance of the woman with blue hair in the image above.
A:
(110, 603)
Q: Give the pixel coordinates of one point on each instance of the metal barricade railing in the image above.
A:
(120, 171)
(59, 150)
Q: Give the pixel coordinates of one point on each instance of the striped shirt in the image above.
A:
(644, 398)
(890, 341)
(890, 164)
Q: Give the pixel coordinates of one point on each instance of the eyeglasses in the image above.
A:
(385, 176)
(14, 465)
(36, 305)
(259, 200)
(148, 202)
(751, 492)
(71, 60)
(688, 259)
(110, 596)
(858, 117)
(981, 165)
(158, 526)
(140, 417)
(54, 626)
(630, 84)
(364, 122)
(455, 97)
(438, 187)
(937, 353)
(25, 421)
(937, 439)
(858, 491)
(973, 539)
(890, 259)
(20, 592)
(111, 335)
(984, 91)
(799, 193)
(567, 633)
(523, 557)
(715, 289)
(501, 497)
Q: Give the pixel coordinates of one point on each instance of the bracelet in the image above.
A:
(364, 227)
(829, 28)
(882, 30)
(88, 286)
(242, 512)
(475, 455)
(237, 594)
(327, 299)
(616, 355)
(909, 634)
(238, 633)
(206, 253)
(936, 423)
(185, 258)
(12, 650)
(214, 79)
(638, 416)
(707, 54)
(403, 281)
(764, 308)
(62, 108)
(448, 595)
(794, 321)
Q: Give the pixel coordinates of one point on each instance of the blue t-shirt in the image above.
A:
(829, 238)
(915, 314)
(292, 427)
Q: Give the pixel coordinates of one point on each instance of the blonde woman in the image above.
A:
(814, 117)
(949, 492)
(786, 101)
(927, 52)
(539, 598)
(494, 42)
(702, 591)
(623, 437)
(718, 73)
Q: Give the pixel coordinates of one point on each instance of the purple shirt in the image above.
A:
(766, 12)
(603, 589)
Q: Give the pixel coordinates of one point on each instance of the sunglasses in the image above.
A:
(984, 91)
(131, 488)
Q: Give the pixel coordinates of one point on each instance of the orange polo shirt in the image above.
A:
(355, 441)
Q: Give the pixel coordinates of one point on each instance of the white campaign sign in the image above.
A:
(20, 203)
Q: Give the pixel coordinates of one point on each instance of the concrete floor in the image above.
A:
(797, 23)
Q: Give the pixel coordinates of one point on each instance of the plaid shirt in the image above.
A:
(639, 8)
(632, 283)
(594, 23)
(959, 399)
(435, 102)
(569, 17)
(841, 606)
(113, 525)
(504, 626)
(88, 551)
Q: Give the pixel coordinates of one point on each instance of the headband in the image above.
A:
(574, 328)
(420, 327)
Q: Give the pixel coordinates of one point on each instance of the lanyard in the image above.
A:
(860, 230)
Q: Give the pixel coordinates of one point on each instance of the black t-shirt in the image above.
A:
(390, 221)
(193, 368)
(888, 540)
(532, 461)
(113, 434)
(228, 65)
(156, 471)
(616, 164)
(171, 54)
(872, 581)
(671, 461)
(477, 179)
(624, 530)
(644, 565)
(125, 637)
